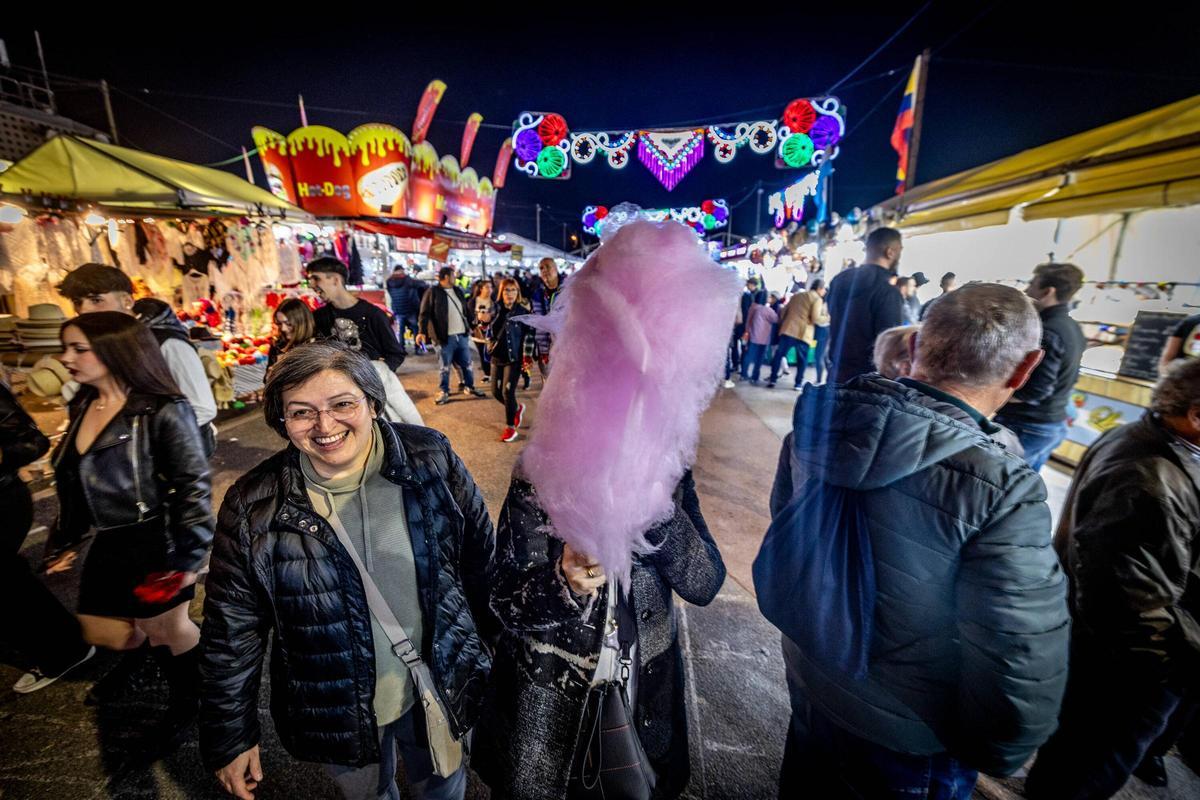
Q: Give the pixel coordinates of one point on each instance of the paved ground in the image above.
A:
(52, 746)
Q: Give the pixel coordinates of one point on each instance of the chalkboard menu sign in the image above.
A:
(1150, 332)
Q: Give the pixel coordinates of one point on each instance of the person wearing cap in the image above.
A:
(97, 287)
(348, 319)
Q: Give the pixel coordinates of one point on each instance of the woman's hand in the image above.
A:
(583, 575)
(240, 776)
(62, 562)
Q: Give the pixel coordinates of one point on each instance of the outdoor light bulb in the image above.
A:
(94, 219)
(743, 241)
(11, 215)
(501, 238)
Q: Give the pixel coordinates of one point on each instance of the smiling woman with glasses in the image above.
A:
(360, 536)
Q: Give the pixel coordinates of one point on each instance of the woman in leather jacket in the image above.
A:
(132, 467)
(507, 340)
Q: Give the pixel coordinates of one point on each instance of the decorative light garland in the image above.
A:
(805, 135)
(708, 216)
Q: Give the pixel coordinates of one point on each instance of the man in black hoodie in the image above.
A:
(863, 304)
(1037, 412)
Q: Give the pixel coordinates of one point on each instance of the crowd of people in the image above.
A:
(933, 626)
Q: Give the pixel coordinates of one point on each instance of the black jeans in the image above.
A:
(504, 388)
(485, 358)
(1110, 719)
(35, 623)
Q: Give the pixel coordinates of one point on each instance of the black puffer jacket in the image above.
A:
(1130, 540)
(277, 564)
(21, 442)
(551, 645)
(149, 461)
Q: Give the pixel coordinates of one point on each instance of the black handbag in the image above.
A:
(610, 762)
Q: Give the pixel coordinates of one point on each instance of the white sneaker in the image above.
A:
(729, 384)
(34, 679)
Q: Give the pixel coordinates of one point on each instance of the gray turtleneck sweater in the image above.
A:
(371, 508)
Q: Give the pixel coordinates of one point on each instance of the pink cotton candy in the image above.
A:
(639, 350)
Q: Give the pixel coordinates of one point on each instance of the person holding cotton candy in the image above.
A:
(602, 526)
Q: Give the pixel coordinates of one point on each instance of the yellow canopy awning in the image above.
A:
(98, 172)
(1151, 160)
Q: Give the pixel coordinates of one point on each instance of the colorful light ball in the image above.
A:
(825, 132)
(799, 116)
(797, 150)
(589, 220)
(707, 206)
(601, 212)
(699, 226)
(710, 222)
(720, 213)
(551, 162)
(552, 129)
(527, 145)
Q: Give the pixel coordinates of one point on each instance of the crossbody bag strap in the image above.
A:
(402, 646)
(626, 631)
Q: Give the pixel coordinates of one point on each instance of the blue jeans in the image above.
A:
(378, 781)
(823, 760)
(406, 322)
(787, 343)
(753, 359)
(457, 351)
(1038, 438)
(822, 335)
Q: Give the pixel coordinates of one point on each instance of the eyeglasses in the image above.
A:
(301, 419)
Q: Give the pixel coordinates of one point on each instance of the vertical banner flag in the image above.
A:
(502, 161)
(902, 131)
(426, 108)
(468, 141)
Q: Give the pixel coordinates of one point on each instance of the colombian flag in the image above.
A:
(902, 131)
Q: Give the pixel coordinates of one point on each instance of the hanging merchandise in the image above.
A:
(806, 134)
(706, 217)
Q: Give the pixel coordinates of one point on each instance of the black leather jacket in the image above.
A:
(277, 564)
(21, 442)
(148, 462)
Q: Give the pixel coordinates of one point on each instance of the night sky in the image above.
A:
(1006, 76)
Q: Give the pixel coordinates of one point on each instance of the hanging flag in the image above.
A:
(902, 131)
(428, 105)
(502, 160)
(468, 141)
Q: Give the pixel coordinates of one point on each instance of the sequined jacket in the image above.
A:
(550, 648)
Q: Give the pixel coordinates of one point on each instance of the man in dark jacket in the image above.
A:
(863, 304)
(1037, 413)
(405, 292)
(1128, 539)
(348, 319)
(446, 320)
(545, 293)
(968, 655)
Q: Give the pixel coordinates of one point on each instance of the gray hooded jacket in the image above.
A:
(969, 652)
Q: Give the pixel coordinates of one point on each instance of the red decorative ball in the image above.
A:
(707, 206)
(799, 116)
(552, 129)
(601, 212)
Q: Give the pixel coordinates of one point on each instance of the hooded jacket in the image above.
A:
(180, 354)
(969, 650)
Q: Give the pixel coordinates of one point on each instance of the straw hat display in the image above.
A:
(40, 330)
(8, 332)
(47, 377)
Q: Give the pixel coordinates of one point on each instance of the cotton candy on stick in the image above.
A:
(639, 347)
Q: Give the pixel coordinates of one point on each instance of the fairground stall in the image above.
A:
(1122, 202)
